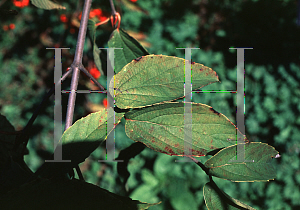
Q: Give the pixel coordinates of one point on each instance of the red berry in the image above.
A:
(105, 102)
(21, 3)
(5, 27)
(95, 72)
(92, 14)
(12, 26)
(98, 12)
(102, 18)
(63, 18)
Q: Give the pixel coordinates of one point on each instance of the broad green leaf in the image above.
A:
(86, 134)
(156, 78)
(79, 141)
(132, 49)
(144, 192)
(215, 198)
(96, 51)
(46, 4)
(161, 128)
(67, 194)
(125, 155)
(184, 201)
(179, 191)
(222, 166)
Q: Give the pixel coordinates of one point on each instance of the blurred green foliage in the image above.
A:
(272, 99)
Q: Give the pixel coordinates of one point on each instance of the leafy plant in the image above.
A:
(146, 88)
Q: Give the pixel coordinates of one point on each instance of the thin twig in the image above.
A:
(91, 77)
(76, 65)
(77, 62)
(94, 80)
(113, 10)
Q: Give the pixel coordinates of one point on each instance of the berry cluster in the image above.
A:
(9, 27)
(95, 13)
(21, 3)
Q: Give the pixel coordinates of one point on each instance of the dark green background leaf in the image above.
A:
(215, 198)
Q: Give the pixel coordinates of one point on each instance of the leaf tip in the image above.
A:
(214, 111)
(277, 156)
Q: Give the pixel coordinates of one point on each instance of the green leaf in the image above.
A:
(161, 128)
(144, 192)
(67, 194)
(222, 166)
(215, 198)
(79, 141)
(96, 51)
(156, 78)
(179, 192)
(125, 155)
(91, 30)
(46, 4)
(132, 49)
(184, 201)
(86, 134)
(144, 206)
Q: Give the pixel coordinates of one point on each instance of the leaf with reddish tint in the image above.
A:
(215, 198)
(153, 79)
(222, 166)
(161, 128)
